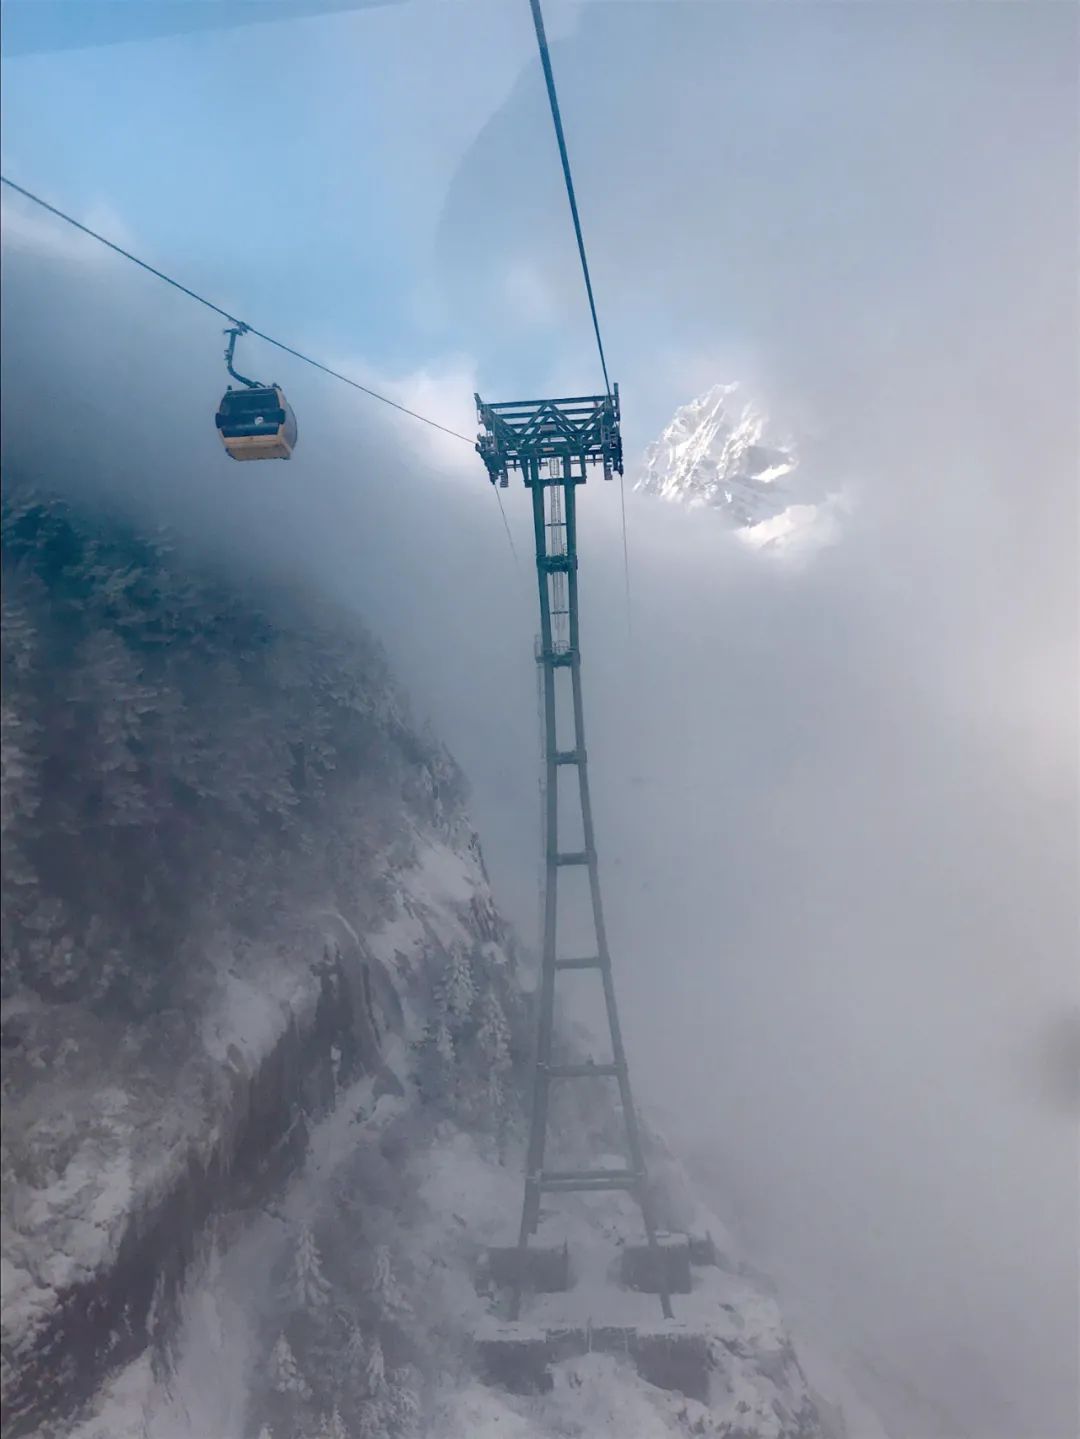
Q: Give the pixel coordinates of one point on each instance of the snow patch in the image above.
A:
(251, 1014)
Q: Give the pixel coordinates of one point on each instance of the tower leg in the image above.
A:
(555, 530)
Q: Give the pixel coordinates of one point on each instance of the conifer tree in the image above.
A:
(369, 1421)
(374, 1371)
(458, 987)
(401, 1400)
(285, 1373)
(333, 1427)
(385, 1290)
(309, 1282)
(493, 1047)
(493, 1033)
(355, 1355)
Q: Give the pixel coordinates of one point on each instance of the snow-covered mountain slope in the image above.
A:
(256, 1351)
(722, 452)
(266, 1044)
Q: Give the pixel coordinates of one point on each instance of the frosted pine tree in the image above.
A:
(437, 1063)
(285, 1373)
(310, 1285)
(458, 987)
(384, 1288)
(369, 1421)
(401, 1400)
(355, 1355)
(374, 1371)
(493, 1034)
(332, 1427)
(493, 1046)
(444, 1043)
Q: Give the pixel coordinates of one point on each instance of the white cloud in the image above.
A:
(26, 226)
(799, 531)
(441, 391)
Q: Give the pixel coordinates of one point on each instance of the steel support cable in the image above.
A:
(248, 329)
(506, 527)
(549, 80)
(556, 116)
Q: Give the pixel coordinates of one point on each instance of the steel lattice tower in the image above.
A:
(552, 443)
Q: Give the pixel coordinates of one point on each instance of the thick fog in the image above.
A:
(836, 800)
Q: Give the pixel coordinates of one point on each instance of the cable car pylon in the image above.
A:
(552, 444)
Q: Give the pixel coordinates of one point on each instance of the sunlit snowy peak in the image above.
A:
(721, 451)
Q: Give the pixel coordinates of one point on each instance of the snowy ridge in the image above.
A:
(721, 452)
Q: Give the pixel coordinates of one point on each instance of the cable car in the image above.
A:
(257, 422)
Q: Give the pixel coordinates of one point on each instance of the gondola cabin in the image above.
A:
(256, 423)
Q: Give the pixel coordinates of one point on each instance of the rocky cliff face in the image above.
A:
(266, 1040)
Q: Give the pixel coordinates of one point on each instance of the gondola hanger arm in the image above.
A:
(233, 333)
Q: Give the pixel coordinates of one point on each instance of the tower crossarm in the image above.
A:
(521, 434)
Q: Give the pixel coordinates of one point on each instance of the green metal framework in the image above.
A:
(520, 434)
(552, 443)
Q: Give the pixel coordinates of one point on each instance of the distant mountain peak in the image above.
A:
(721, 451)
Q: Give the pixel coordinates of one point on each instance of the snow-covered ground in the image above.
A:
(461, 1198)
(106, 1151)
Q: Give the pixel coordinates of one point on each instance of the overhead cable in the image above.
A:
(250, 329)
(556, 116)
(549, 80)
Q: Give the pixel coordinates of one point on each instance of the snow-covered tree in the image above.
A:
(355, 1354)
(444, 1043)
(387, 1293)
(373, 1374)
(493, 1049)
(436, 1069)
(332, 1426)
(401, 1400)
(310, 1286)
(370, 1423)
(285, 1373)
(458, 989)
(493, 1033)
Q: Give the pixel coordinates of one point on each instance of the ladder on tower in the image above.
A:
(552, 443)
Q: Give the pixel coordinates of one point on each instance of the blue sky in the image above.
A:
(793, 194)
(293, 167)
